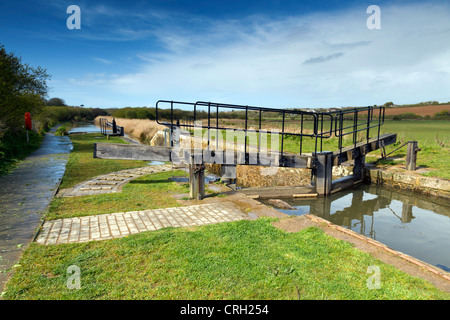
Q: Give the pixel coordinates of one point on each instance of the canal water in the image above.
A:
(88, 127)
(412, 223)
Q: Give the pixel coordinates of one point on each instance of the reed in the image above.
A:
(142, 129)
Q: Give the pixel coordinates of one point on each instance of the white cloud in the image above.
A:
(316, 60)
(102, 60)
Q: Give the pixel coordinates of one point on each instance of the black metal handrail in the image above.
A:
(322, 122)
(359, 124)
(105, 125)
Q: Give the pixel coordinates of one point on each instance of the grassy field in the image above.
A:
(429, 110)
(433, 138)
(235, 260)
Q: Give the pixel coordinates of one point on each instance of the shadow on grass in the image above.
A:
(149, 181)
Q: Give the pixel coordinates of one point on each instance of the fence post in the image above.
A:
(114, 126)
(228, 172)
(411, 155)
(323, 173)
(358, 168)
(196, 180)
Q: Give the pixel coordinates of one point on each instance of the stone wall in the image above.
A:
(260, 176)
(410, 181)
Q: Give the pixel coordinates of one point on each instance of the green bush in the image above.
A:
(14, 147)
(135, 113)
(61, 131)
(406, 116)
(442, 115)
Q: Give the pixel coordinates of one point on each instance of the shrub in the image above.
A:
(61, 131)
(442, 115)
(406, 116)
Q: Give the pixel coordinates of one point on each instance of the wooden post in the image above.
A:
(407, 215)
(323, 173)
(196, 180)
(321, 207)
(228, 172)
(201, 182)
(411, 155)
(358, 168)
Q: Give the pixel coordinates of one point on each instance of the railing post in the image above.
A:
(114, 126)
(323, 173)
(411, 155)
(196, 180)
(358, 167)
(228, 172)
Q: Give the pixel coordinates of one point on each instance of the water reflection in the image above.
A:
(88, 127)
(412, 223)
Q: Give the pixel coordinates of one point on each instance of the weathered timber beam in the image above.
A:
(157, 153)
(131, 152)
(362, 148)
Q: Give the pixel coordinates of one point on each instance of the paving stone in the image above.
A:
(116, 225)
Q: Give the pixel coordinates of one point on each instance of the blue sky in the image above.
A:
(266, 53)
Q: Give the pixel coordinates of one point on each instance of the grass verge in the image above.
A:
(433, 140)
(236, 260)
(147, 192)
(82, 166)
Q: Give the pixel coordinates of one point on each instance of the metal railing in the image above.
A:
(110, 127)
(309, 124)
(359, 122)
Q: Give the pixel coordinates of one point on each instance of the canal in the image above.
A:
(80, 127)
(406, 221)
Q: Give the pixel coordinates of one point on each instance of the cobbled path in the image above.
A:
(117, 225)
(122, 224)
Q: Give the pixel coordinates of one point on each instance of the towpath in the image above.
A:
(25, 195)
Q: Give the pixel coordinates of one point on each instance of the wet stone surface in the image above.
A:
(25, 195)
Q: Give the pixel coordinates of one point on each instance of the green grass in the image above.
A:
(82, 166)
(433, 139)
(236, 260)
(147, 192)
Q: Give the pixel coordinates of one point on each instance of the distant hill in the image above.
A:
(430, 110)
